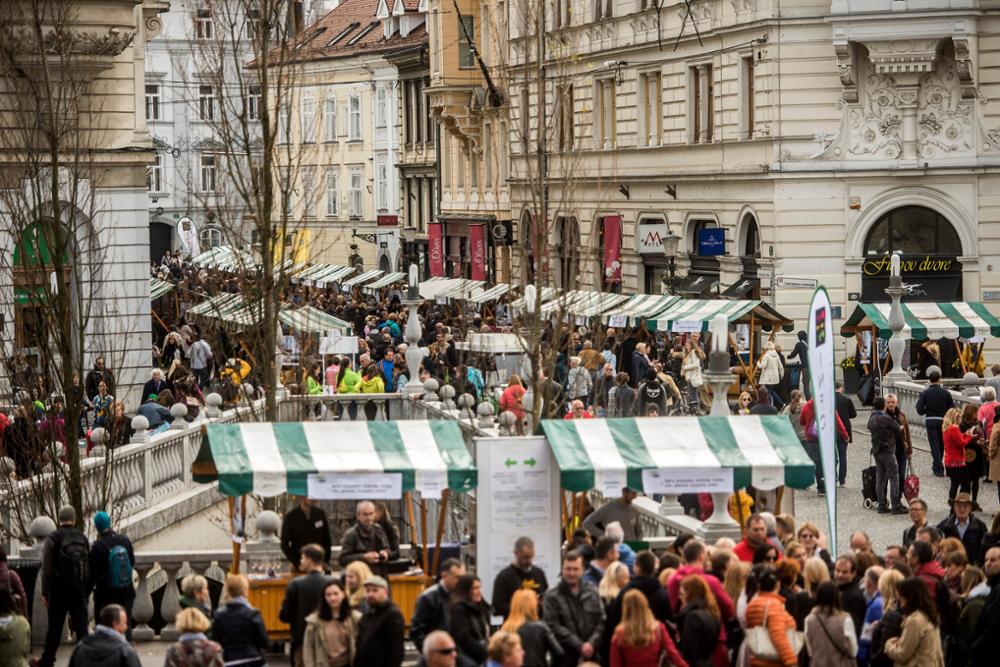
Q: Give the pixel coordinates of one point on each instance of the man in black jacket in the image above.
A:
(645, 582)
(431, 610)
(884, 430)
(380, 632)
(852, 599)
(302, 596)
(986, 636)
(934, 402)
(107, 646)
(306, 524)
(366, 541)
(239, 628)
(65, 582)
(574, 612)
(844, 407)
(519, 574)
(965, 526)
(112, 560)
(801, 352)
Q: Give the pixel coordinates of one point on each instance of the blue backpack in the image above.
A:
(119, 568)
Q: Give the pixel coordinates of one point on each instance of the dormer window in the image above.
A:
(367, 29)
(342, 34)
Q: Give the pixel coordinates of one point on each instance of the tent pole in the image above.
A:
(442, 513)
(579, 510)
(423, 534)
(961, 361)
(165, 327)
(779, 494)
(234, 566)
(565, 514)
(409, 513)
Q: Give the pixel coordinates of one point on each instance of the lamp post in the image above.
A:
(670, 243)
(410, 256)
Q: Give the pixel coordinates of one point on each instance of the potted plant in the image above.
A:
(852, 378)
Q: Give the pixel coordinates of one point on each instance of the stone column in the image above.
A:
(142, 609)
(703, 111)
(907, 104)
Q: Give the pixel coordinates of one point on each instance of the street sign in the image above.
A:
(795, 283)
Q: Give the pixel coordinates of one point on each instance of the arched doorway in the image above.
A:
(929, 248)
(161, 240)
(748, 238)
(704, 249)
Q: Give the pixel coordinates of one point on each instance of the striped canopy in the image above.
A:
(436, 286)
(491, 294)
(273, 458)
(362, 278)
(926, 321)
(463, 290)
(312, 320)
(158, 288)
(690, 313)
(387, 280)
(640, 307)
(543, 295)
(612, 453)
(595, 303)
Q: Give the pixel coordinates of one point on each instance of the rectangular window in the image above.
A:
(604, 109)
(381, 185)
(330, 119)
(603, 9)
(283, 124)
(466, 41)
(561, 11)
(153, 101)
(208, 173)
(381, 104)
(309, 193)
(154, 179)
(203, 28)
(488, 156)
(206, 103)
(748, 102)
(307, 119)
(701, 109)
(650, 98)
(286, 195)
(332, 194)
(525, 119)
(253, 103)
(354, 113)
(356, 201)
(567, 129)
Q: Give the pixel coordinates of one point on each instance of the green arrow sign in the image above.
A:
(510, 462)
(530, 462)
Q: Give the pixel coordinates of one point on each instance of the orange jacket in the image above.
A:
(779, 622)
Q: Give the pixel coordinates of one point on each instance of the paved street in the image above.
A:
(884, 529)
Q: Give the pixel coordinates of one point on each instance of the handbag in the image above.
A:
(812, 432)
(911, 483)
(758, 640)
(840, 649)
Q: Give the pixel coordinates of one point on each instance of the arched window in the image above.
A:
(751, 237)
(696, 227)
(210, 237)
(913, 230)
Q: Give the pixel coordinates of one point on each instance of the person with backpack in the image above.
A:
(112, 560)
(65, 582)
(651, 393)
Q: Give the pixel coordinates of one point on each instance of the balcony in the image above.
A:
(458, 108)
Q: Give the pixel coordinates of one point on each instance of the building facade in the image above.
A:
(818, 136)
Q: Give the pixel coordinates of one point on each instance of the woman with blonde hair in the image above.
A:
(355, 575)
(744, 403)
(815, 573)
(193, 648)
(954, 442)
(238, 627)
(640, 640)
(613, 581)
(814, 542)
(891, 623)
(736, 579)
(536, 637)
(505, 650)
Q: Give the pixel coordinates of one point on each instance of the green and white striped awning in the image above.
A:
(307, 319)
(926, 321)
(273, 458)
(437, 285)
(543, 295)
(362, 278)
(387, 280)
(639, 307)
(695, 314)
(687, 454)
(491, 294)
(595, 303)
(158, 288)
(463, 290)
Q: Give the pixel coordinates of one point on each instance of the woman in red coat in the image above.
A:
(954, 451)
(640, 639)
(511, 399)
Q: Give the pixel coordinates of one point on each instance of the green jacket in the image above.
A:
(375, 385)
(349, 383)
(15, 641)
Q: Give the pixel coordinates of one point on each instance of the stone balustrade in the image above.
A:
(908, 392)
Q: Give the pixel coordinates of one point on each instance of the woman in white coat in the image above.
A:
(771, 371)
(691, 370)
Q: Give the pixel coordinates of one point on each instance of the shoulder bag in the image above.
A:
(758, 640)
(836, 644)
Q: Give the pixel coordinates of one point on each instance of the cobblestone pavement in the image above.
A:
(884, 529)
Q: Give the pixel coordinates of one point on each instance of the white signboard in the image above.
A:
(518, 496)
(686, 326)
(338, 345)
(821, 337)
(649, 238)
(795, 283)
(188, 234)
(688, 480)
(618, 321)
(351, 486)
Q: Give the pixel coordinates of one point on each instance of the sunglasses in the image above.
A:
(445, 651)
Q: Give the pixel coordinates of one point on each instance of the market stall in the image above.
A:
(638, 308)
(339, 460)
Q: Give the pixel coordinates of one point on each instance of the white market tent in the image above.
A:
(639, 307)
(387, 280)
(361, 278)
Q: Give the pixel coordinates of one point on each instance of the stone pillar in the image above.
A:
(897, 344)
(907, 104)
(142, 609)
(670, 505)
(179, 412)
(720, 524)
(170, 606)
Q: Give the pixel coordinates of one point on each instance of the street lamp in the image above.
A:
(670, 243)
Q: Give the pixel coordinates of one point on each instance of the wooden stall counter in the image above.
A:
(405, 589)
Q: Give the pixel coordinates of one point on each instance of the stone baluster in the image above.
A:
(485, 413)
(179, 411)
(508, 423)
(213, 406)
(142, 608)
(447, 393)
(382, 409)
(170, 606)
(431, 387)
(465, 403)
(141, 427)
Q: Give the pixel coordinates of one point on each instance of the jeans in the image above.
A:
(812, 449)
(886, 471)
(202, 375)
(841, 460)
(60, 604)
(934, 440)
(806, 386)
(794, 373)
(959, 477)
(772, 391)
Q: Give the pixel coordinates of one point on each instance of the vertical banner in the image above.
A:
(435, 248)
(477, 241)
(821, 376)
(612, 249)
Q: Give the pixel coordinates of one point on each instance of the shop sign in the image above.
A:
(387, 220)
(612, 249)
(795, 283)
(435, 247)
(712, 242)
(649, 238)
(991, 295)
(913, 264)
(477, 241)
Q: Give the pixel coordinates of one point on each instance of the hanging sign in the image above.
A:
(477, 241)
(649, 238)
(435, 248)
(188, 234)
(612, 249)
(712, 242)
(351, 486)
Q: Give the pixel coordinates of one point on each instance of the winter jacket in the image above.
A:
(656, 598)
(512, 579)
(640, 364)
(646, 656)
(15, 641)
(974, 604)
(602, 387)
(884, 430)
(692, 369)
(510, 400)
(954, 446)
(985, 639)
(239, 628)
(314, 641)
(808, 414)
(373, 385)
(194, 650)
(10, 580)
(930, 573)
(934, 401)
(890, 626)
(918, 646)
(779, 622)
(651, 393)
(380, 637)
(852, 600)
(349, 383)
(298, 530)
(578, 384)
(100, 552)
(830, 639)
(538, 643)
(903, 440)
(993, 455)
(702, 640)
(469, 624)
(973, 538)
(302, 597)
(430, 613)
(621, 401)
(357, 542)
(104, 648)
(726, 607)
(770, 367)
(575, 618)
(846, 411)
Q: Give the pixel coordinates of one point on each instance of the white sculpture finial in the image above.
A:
(894, 265)
(414, 279)
(719, 327)
(529, 298)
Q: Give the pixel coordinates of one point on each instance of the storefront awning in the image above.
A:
(436, 286)
(363, 278)
(387, 280)
(926, 321)
(639, 307)
(698, 285)
(596, 303)
(695, 314)
(684, 453)
(312, 320)
(740, 289)
(491, 294)
(217, 306)
(565, 301)
(158, 288)
(463, 289)
(225, 258)
(274, 458)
